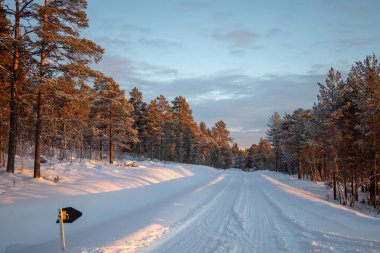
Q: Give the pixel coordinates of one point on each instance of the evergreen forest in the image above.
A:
(54, 104)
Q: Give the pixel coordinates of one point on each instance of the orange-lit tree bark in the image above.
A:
(5, 64)
(37, 150)
(63, 51)
(21, 11)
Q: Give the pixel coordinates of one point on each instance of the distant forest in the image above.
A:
(53, 104)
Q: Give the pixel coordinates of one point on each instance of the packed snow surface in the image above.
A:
(159, 207)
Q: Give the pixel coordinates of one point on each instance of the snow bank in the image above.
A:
(89, 177)
(104, 193)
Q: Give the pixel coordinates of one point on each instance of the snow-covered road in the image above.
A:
(257, 213)
(204, 210)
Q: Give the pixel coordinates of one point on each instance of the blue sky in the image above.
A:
(239, 61)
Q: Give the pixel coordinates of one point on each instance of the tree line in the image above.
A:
(54, 104)
(338, 139)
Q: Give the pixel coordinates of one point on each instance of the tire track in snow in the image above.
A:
(247, 213)
(216, 228)
(174, 239)
(265, 233)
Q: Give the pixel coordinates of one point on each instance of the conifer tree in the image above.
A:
(251, 152)
(153, 131)
(139, 117)
(5, 66)
(220, 134)
(274, 138)
(368, 102)
(205, 142)
(113, 114)
(167, 126)
(62, 50)
(329, 112)
(185, 124)
(21, 48)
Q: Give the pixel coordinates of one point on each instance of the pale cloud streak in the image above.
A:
(159, 43)
(245, 103)
(237, 38)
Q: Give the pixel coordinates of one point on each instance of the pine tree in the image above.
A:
(5, 66)
(205, 142)
(264, 151)
(368, 102)
(329, 112)
(274, 138)
(139, 117)
(20, 50)
(251, 152)
(293, 136)
(62, 50)
(216, 159)
(227, 157)
(113, 114)
(168, 129)
(221, 137)
(184, 124)
(153, 131)
(220, 134)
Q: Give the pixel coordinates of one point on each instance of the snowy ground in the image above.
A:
(160, 207)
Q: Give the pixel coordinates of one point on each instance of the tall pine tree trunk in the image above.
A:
(353, 187)
(90, 146)
(37, 150)
(323, 166)
(111, 151)
(373, 183)
(300, 172)
(1, 141)
(375, 172)
(335, 158)
(2, 149)
(111, 148)
(334, 180)
(345, 189)
(38, 142)
(100, 149)
(12, 101)
(81, 147)
(12, 130)
(277, 158)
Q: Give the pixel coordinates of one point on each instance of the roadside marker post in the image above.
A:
(66, 215)
(63, 241)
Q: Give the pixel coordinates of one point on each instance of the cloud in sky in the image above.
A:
(245, 103)
(127, 27)
(355, 9)
(237, 37)
(239, 61)
(124, 70)
(210, 9)
(159, 43)
(276, 32)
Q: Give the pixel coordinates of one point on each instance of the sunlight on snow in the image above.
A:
(90, 177)
(133, 242)
(310, 196)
